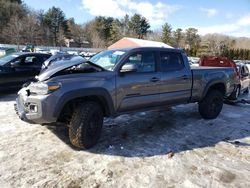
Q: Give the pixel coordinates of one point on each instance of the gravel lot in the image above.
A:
(172, 148)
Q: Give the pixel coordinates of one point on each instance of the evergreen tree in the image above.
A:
(167, 34)
(125, 26)
(192, 38)
(178, 36)
(139, 26)
(115, 32)
(54, 18)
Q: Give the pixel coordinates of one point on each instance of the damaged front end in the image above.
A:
(37, 101)
(29, 107)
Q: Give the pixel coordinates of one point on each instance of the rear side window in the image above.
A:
(145, 62)
(33, 61)
(171, 61)
(30, 60)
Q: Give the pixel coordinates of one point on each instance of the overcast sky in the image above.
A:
(231, 17)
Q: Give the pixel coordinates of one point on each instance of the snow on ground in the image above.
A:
(171, 148)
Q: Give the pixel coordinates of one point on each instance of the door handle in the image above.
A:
(154, 79)
(184, 77)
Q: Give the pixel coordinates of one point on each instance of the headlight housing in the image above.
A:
(41, 88)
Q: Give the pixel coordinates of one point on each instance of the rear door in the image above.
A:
(141, 88)
(176, 78)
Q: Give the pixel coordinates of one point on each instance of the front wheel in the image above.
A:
(211, 106)
(86, 125)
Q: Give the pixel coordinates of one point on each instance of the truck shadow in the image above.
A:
(179, 129)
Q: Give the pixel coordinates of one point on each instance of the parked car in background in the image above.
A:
(247, 62)
(18, 68)
(217, 61)
(6, 51)
(29, 48)
(193, 61)
(243, 86)
(87, 55)
(40, 50)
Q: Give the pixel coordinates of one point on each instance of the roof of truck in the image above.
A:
(147, 48)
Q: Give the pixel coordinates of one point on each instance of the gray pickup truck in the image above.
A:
(80, 93)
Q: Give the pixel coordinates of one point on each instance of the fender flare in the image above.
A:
(211, 84)
(79, 93)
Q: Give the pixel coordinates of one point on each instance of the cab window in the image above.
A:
(171, 61)
(145, 62)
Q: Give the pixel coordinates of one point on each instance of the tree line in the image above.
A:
(20, 24)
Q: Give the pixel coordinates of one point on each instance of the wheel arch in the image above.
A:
(220, 86)
(72, 98)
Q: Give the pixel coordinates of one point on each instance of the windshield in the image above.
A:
(107, 59)
(6, 59)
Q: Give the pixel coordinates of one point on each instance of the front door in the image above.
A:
(140, 88)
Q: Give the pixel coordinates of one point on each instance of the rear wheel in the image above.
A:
(86, 125)
(210, 107)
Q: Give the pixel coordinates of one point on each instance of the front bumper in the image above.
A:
(34, 109)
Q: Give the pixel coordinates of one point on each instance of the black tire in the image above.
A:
(235, 94)
(210, 107)
(86, 125)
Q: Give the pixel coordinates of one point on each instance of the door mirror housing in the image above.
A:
(14, 64)
(128, 67)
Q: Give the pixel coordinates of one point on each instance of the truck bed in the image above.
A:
(204, 76)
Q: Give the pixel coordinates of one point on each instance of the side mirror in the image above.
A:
(128, 68)
(14, 64)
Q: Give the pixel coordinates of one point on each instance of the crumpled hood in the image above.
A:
(60, 65)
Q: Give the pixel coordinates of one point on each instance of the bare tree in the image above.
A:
(76, 32)
(178, 38)
(31, 32)
(92, 35)
(154, 35)
(14, 30)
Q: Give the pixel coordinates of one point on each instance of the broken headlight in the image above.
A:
(41, 88)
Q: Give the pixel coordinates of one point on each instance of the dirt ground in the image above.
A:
(172, 148)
